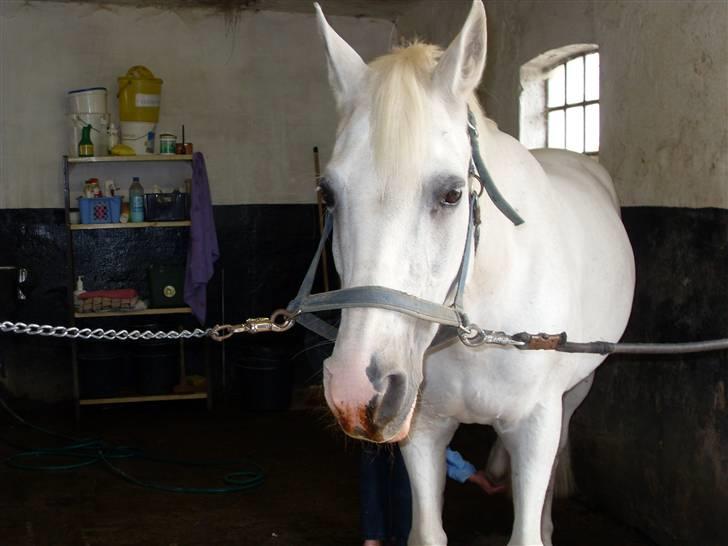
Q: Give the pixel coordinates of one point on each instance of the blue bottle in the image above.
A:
(136, 201)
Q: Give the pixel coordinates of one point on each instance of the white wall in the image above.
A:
(250, 87)
(664, 75)
(664, 87)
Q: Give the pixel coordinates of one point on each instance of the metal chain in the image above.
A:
(72, 332)
(279, 321)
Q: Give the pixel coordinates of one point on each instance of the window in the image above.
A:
(559, 103)
(572, 105)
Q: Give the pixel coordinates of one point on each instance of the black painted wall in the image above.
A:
(651, 440)
(265, 251)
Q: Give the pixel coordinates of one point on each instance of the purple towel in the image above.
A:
(203, 251)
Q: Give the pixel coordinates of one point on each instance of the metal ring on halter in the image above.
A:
(472, 335)
(289, 319)
(480, 181)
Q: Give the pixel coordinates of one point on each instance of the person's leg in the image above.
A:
(401, 500)
(373, 492)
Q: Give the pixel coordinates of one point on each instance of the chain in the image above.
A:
(44, 330)
(280, 321)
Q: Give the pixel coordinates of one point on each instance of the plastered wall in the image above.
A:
(664, 77)
(251, 88)
(664, 83)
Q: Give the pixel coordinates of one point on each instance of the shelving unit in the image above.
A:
(159, 311)
(129, 225)
(69, 163)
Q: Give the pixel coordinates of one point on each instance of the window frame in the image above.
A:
(566, 105)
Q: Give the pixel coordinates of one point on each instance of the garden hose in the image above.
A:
(86, 452)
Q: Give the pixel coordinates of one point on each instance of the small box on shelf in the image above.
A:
(99, 210)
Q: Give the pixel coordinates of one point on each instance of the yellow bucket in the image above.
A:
(139, 95)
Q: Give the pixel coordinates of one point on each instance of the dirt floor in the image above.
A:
(309, 497)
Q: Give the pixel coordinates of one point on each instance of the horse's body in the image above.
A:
(399, 222)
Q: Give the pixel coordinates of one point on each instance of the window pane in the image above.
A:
(575, 129)
(591, 128)
(556, 129)
(591, 76)
(575, 80)
(556, 87)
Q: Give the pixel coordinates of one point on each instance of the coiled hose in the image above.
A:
(87, 452)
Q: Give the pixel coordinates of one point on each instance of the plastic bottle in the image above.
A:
(79, 286)
(85, 146)
(136, 201)
(113, 139)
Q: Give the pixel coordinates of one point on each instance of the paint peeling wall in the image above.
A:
(251, 88)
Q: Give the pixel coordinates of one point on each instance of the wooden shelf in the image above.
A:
(152, 311)
(129, 158)
(132, 399)
(131, 225)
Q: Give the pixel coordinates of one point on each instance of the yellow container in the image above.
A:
(139, 95)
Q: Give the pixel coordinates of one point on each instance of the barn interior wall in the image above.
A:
(650, 440)
(649, 443)
(251, 88)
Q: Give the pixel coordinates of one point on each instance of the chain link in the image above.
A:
(72, 332)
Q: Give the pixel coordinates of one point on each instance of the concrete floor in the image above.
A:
(309, 497)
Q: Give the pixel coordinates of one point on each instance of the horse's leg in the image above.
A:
(532, 443)
(561, 476)
(424, 456)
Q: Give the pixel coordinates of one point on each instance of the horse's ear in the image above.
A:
(461, 66)
(346, 67)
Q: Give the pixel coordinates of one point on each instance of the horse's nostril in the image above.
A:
(392, 399)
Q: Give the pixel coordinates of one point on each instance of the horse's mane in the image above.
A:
(400, 115)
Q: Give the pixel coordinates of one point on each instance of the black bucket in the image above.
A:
(265, 380)
(157, 365)
(101, 369)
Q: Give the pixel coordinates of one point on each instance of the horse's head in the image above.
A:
(397, 186)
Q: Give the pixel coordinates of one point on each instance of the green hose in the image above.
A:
(87, 452)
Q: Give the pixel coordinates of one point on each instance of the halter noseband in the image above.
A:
(305, 304)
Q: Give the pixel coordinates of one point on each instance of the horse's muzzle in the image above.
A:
(385, 417)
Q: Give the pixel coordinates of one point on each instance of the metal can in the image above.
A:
(167, 144)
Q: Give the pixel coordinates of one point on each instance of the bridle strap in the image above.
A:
(478, 166)
(305, 304)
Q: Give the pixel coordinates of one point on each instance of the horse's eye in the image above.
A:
(452, 197)
(327, 196)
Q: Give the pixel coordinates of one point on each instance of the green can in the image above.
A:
(167, 143)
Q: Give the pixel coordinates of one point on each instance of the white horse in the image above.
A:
(397, 186)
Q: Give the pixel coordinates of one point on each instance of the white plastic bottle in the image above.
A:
(113, 136)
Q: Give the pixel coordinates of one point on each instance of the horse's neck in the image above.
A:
(524, 185)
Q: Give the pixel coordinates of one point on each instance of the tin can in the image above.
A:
(167, 144)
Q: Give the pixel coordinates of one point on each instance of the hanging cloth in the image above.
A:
(203, 250)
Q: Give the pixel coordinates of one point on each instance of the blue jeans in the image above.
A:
(386, 500)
